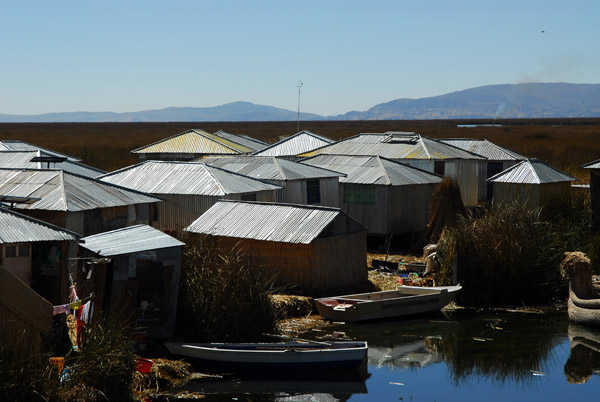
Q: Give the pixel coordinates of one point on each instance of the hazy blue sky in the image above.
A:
(125, 56)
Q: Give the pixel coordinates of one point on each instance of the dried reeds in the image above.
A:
(221, 297)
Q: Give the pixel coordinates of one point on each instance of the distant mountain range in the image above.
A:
(532, 100)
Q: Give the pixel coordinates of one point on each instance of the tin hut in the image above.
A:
(77, 203)
(418, 151)
(594, 168)
(385, 196)
(43, 160)
(531, 182)
(188, 188)
(242, 139)
(497, 160)
(136, 268)
(17, 145)
(301, 184)
(36, 253)
(190, 145)
(304, 141)
(312, 248)
(25, 319)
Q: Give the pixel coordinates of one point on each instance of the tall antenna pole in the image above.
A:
(299, 86)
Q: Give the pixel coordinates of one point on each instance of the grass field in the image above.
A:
(565, 144)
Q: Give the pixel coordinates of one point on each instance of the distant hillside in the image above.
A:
(534, 100)
(235, 111)
(508, 101)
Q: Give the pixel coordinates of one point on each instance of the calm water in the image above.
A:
(465, 356)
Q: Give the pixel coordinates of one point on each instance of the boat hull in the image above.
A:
(274, 356)
(407, 300)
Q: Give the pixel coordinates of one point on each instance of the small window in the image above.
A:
(439, 167)
(359, 193)
(249, 197)
(10, 251)
(24, 251)
(313, 192)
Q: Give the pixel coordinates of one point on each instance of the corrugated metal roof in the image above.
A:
(531, 171)
(592, 165)
(62, 191)
(373, 170)
(22, 160)
(18, 228)
(269, 168)
(132, 239)
(394, 145)
(195, 142)
(304, 141)
(484, 148)
(262, 221)
(162, 177)
(16, 145)
(245, 140)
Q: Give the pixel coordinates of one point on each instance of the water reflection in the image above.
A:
(584, 357)
(465, 354)
(499, 346)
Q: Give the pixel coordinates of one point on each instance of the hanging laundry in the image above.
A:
(86, 312)
(62, 309)
(73, 294)
(75, 305)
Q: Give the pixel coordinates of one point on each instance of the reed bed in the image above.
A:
(222, 298)
(507, 256)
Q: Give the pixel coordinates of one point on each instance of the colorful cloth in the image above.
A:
(62, 309)
(75, 305)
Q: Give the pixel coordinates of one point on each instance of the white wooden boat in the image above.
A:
(406, 300)
(293, 355)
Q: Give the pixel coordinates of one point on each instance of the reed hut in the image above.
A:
(136, 269)
(594, 168)
(301, 184)
(304, 141)
(417, 151)
(387, 197)
(311, 248)
(36, 253)
(497, 160)
(192, 144)
(531, 182)
(188, 188)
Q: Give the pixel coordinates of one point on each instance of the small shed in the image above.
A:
(190, 145)
(594, 168)
(312, 248)
(304, 141)
(136, 269)
(497, 160)
(301, 184)
(418, 151)
(188, 188)
(77, 203)
(43, 160)
(531, 182)
(36, 252)
(385, 196)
